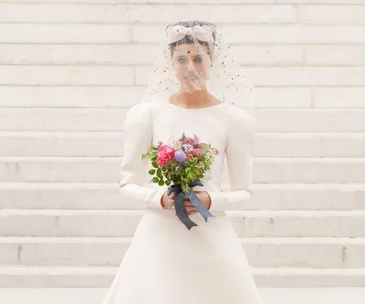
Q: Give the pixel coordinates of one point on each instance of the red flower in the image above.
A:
(165, 154)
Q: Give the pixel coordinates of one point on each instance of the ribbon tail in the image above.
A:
(199, 205)
(181, 211)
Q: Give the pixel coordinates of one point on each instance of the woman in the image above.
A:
(166, 262)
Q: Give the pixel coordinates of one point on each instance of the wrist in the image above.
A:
(209, 199)
(161, 202)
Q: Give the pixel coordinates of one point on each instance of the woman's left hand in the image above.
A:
(203, 196)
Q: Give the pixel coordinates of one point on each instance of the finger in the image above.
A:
(170, 203)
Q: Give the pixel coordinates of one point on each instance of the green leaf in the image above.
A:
(154, 164)
(161, 182)
(152, 171)
(159, 173)
(168, 182)
(156, 180)
(145, 156)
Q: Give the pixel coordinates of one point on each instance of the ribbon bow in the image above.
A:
(200, 32)
(180, 205)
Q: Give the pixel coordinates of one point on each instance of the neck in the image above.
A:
(196, 98)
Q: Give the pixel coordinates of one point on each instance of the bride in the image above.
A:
(197, 89)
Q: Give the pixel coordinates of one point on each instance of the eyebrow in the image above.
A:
(182, 56)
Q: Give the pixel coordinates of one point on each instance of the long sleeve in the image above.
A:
(138, 140)
(239, 151)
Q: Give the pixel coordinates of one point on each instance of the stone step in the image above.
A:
(261, 252)
(109, 97)
(106, 169)
(145, 33)
(112, 143)
(137, 11)
(123, 75)
(138, 54)
(134, 12)
(134, 54)
(102, 277)
(83, 119)
(314, 295)
(111, 223)
(103, 196)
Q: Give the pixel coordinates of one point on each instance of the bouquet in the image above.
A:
(182, 164)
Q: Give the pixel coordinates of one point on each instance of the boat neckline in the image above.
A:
(196, 109)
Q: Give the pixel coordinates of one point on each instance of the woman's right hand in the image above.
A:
(168, 202)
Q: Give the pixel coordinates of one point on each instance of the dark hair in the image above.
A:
(188, 39)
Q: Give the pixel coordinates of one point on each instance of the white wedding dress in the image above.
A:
(166, 263)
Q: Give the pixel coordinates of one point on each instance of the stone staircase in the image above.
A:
(70, 71)
(70, 243)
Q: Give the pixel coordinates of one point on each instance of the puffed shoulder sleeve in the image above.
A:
(138, 140)
(239, 155)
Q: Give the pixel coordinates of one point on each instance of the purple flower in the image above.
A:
(187, 148)
(180, 156)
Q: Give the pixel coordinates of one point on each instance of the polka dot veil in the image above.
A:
(193, 56)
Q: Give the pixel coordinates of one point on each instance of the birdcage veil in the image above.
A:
(192, 56)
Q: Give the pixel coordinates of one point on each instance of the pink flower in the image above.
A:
(190, 155)
(197, 152)
(190, 141)
(161, 162)
(165, 154)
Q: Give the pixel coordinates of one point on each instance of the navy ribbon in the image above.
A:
(181, 211)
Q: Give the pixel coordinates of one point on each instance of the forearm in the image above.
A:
(142, 196)
(231, 200)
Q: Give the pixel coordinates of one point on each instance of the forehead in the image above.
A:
(190, 49)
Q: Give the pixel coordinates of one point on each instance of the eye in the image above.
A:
(198, 59)
(181, 60)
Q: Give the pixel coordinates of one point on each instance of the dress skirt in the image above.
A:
(168, 264)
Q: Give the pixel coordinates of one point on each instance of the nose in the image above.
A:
(190, 67)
